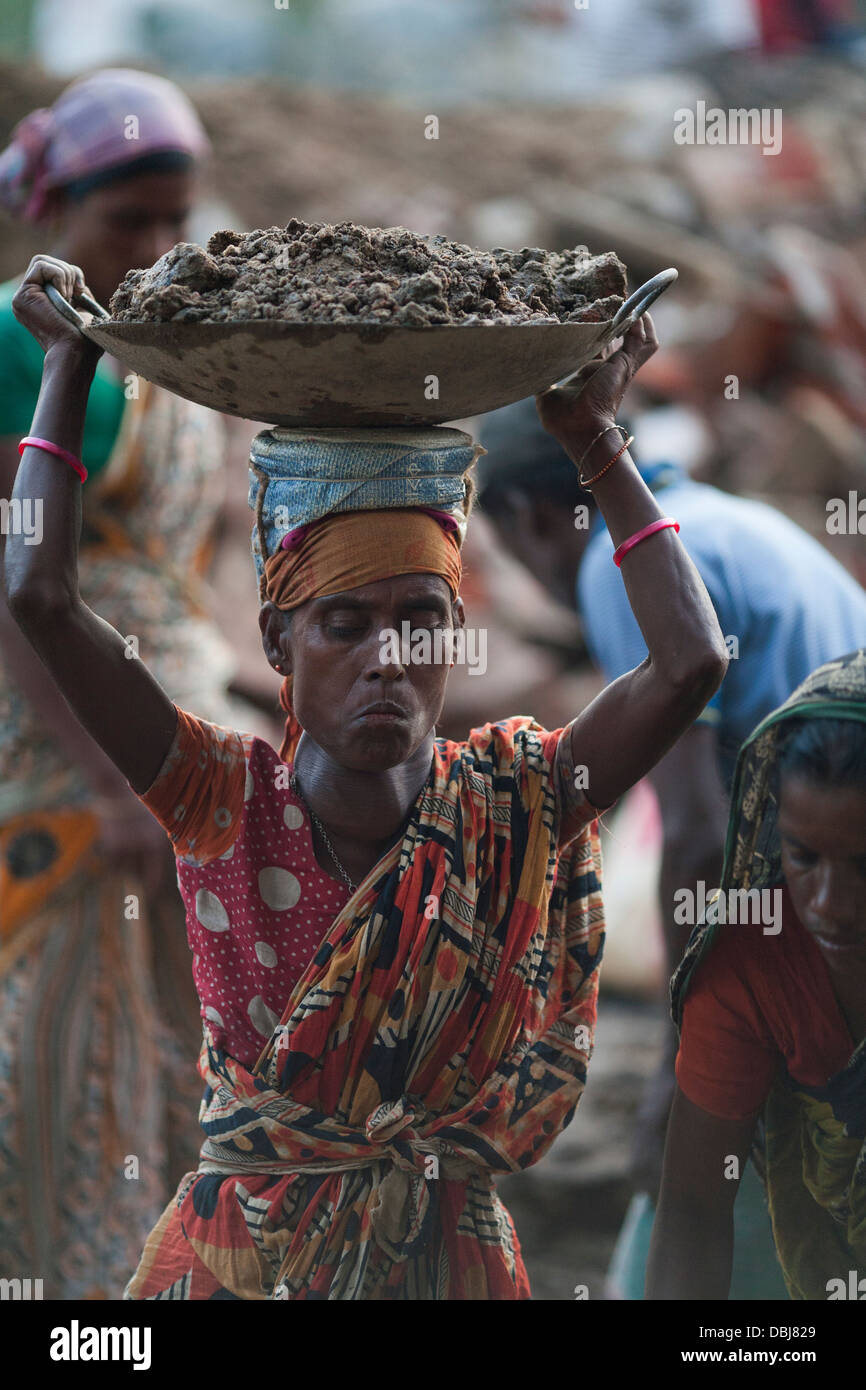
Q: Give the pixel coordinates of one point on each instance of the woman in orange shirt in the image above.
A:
(772, 1012)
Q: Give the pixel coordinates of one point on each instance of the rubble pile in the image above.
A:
(315, 272)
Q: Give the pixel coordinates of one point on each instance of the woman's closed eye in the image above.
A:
(345, 627)
(426, 618)
(801, 857)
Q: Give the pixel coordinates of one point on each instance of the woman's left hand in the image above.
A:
(575, 413)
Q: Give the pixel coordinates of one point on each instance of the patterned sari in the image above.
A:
(96, 1012)
(811, 1151)
(439, 1036)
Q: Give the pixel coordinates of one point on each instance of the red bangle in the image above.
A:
(639, 536)
(31, 441)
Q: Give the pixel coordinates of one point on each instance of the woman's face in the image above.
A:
(352, 693)
(126, 226)
(823, 834)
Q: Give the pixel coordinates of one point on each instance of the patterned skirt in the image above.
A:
(97, 1094)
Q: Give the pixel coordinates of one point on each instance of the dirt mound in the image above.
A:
(315, 272)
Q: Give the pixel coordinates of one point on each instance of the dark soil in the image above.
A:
(318, 273)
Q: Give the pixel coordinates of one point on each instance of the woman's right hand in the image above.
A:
(32, 307)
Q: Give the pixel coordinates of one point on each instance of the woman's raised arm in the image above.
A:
(103, 678)
(624, 732)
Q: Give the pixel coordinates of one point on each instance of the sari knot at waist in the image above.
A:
(393, 1139)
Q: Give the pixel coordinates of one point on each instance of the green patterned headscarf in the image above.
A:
(810, 1148)
(752, 848)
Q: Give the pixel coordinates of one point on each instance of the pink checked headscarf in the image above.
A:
(88, 130)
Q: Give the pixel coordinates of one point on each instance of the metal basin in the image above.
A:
(358, 374)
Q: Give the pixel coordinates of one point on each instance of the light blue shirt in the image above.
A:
(784, 604)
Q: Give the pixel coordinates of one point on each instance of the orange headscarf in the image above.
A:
(350, 549)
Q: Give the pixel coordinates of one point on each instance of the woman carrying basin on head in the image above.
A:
(91, 963)
(396, 938)
(772, 1015)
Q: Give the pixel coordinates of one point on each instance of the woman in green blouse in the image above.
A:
(87, 896)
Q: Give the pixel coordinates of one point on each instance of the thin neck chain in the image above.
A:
(293, 782)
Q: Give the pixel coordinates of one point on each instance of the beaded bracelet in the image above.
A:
(31, 441)
(607, 429)
(589, 482)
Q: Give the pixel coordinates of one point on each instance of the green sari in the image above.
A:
(811, 1149)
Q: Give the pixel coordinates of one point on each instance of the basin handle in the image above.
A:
(84, 301)
(627, 314)
(638, 303)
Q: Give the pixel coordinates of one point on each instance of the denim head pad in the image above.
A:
(297, 477)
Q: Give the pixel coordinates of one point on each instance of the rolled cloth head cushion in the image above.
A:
(354, 548)
(297, 477)
(113, 118)
(343, 508)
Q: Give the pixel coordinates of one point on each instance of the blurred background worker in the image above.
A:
(785, 606)
(772, 1025)
(95, 988)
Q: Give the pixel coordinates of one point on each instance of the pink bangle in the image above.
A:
(31, 441)
(639, 536)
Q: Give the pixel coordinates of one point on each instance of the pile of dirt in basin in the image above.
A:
(312, 272)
